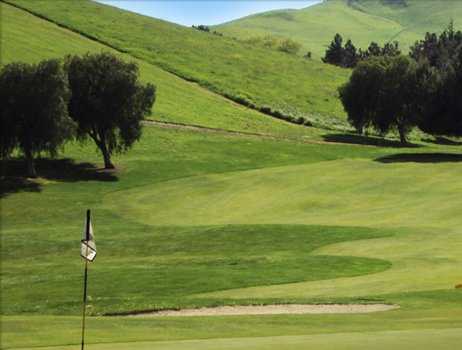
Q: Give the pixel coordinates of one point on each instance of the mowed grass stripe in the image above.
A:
(161, 267)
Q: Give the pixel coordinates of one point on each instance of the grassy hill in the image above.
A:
(178, 100)
(252, 75)
(361, 20)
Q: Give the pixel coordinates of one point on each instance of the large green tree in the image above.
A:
(398, 100)
(34, 116)
(360, 95)
(382, 93)
(108, 101)
(335, 52)
(440, 81)
(441, 100)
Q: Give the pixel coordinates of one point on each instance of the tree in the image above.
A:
(34, 116)
(381, 93)
(108, 102)
(202, 28)
(440, 81)
(438, 51)
(350, 57)
(391, 49)
(334, 53)
(374, 50)
(441, 101)
(360, 95)
(398, 108)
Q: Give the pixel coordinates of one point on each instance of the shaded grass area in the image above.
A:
(366, 140)
(65, 170)
(421, 158)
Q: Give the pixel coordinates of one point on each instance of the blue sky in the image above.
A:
(189, 12)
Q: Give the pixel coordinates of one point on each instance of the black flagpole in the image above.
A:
(87, 238)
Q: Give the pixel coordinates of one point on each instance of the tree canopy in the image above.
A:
(34, 115)
(381, 93)
(108, 102)
(441, 100)
(360, 95)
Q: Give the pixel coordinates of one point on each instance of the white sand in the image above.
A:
(291, 309)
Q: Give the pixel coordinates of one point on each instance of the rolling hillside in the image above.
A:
(244, 73)
(178, 101)
(361, 20)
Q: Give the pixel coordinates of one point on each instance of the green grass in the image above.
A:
(203, 219)
(240, 71)
(362, 21)
(150, 260)
(175, 263)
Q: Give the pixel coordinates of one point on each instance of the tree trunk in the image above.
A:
(107, 157)
(31, 172)
(402, 135)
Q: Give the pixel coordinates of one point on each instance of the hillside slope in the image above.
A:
(361, 20)
(178, 101)
(231, 68)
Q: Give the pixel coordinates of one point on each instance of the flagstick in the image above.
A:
(84, 304)
(87, 237)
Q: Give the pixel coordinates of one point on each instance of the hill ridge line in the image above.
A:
(163, 68)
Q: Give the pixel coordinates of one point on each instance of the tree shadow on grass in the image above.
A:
(421, 158)
(443, 141)
(13, 177)
(366, 140)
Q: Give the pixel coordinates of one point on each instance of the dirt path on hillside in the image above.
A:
(198, 128)
(289, 309)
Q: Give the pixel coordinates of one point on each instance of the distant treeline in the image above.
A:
(204, 28)
(400, 92)
(348, 56)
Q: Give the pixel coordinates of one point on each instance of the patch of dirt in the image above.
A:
(289, 309)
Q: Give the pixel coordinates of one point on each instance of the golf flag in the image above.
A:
(88, 246)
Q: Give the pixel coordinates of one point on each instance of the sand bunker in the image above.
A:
(292, 309)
